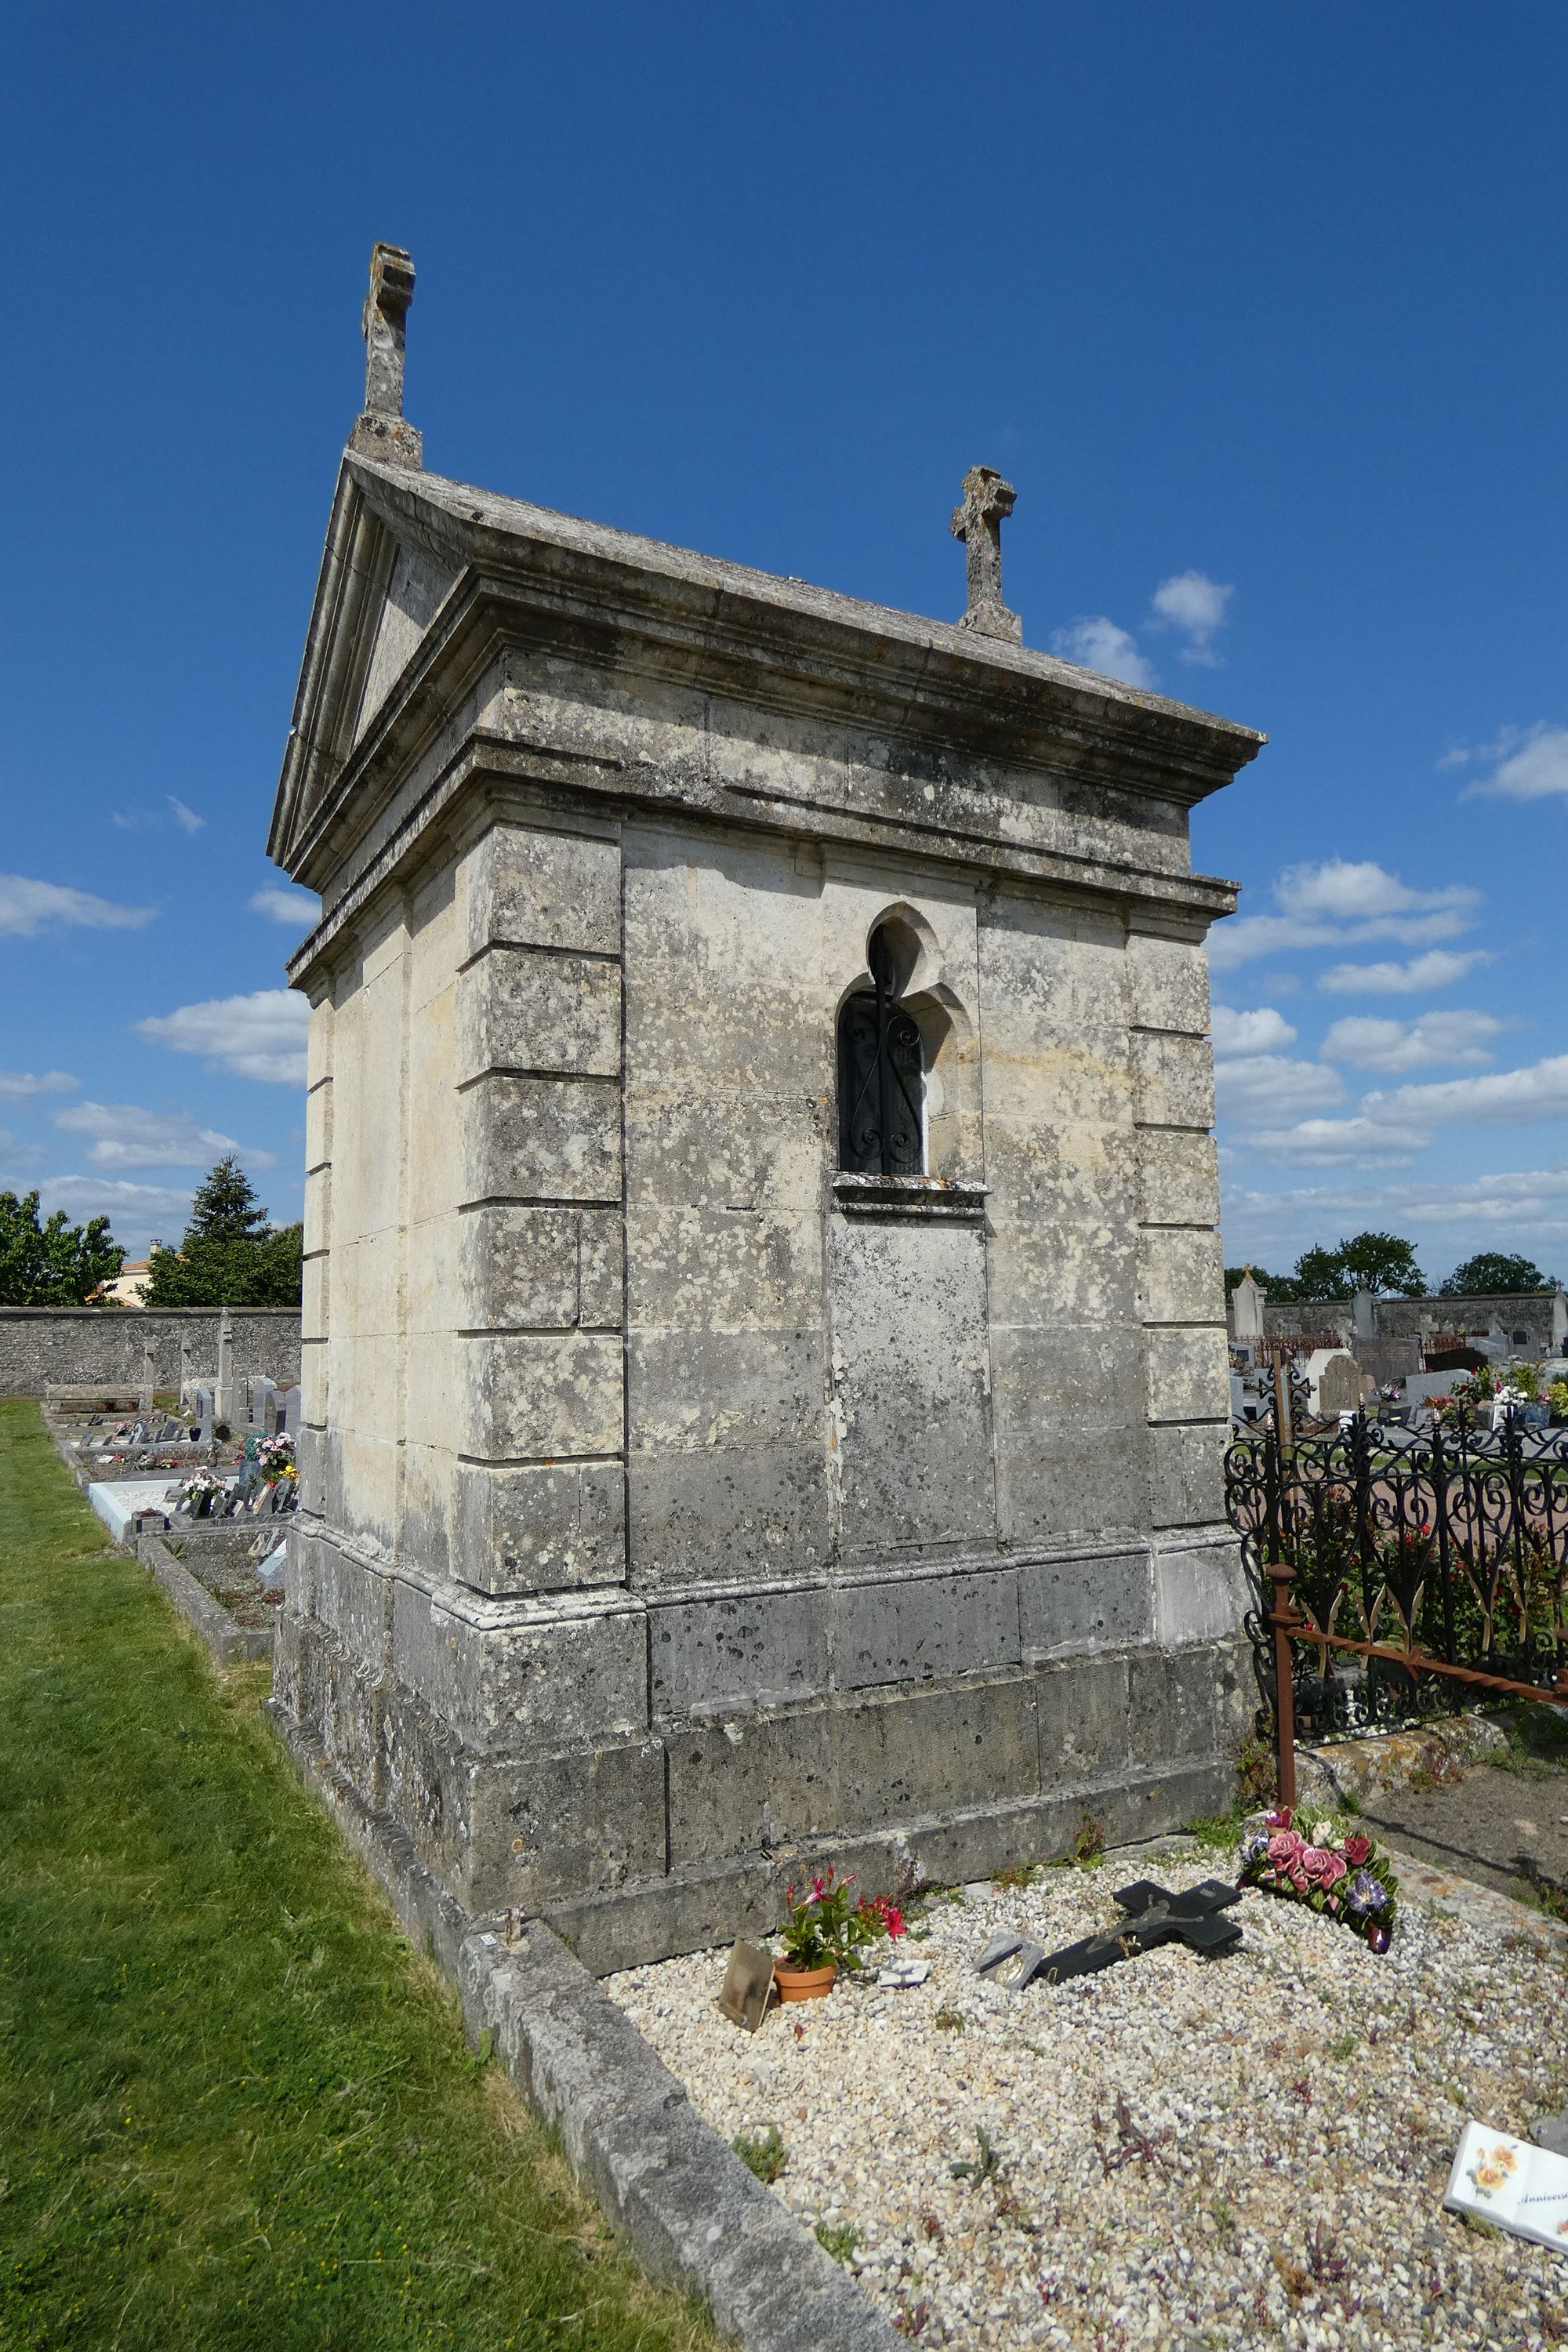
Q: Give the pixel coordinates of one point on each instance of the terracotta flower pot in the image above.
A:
(804, 1984)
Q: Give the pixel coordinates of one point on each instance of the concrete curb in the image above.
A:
(229, 1643)
(684, 2202)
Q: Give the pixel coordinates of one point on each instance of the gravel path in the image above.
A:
(1247, 2151)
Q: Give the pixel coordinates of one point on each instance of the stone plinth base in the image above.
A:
(536, 1754)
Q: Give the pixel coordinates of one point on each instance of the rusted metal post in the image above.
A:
(1283, 1429)
(1282, 1618)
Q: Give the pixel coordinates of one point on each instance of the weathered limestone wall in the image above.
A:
(84, 1344)
(689, 1513)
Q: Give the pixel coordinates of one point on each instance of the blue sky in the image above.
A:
(1261, 310)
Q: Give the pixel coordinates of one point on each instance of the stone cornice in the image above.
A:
(492, 777)
(920, 700)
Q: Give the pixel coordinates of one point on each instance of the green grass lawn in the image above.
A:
(235, 2109)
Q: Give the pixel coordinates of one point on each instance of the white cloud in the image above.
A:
(1361, 1141)
(300, 910)
(27, 906)
(17, 1151)
(138, 820)
(1524, 1208)
(1267, 1086)
(257, 1036)
(1371, 1044)
(1504, 1098)
(1341, 903)
(1357, 891)
(1098, 642)
(136, 1211)
(1438, 967)
(17, 1083)
(127, 1136)
(1260, 1032)
(1532, 765)
(1195, 604)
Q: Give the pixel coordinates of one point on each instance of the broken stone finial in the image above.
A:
(381, 430)
(987, 502)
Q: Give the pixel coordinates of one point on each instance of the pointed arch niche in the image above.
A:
(908, 1082)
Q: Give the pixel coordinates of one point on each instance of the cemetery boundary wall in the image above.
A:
(1530, 1312)
(85, 1344)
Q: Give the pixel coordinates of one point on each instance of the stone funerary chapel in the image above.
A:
(765, 1368)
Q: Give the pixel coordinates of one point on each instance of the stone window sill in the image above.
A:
(941, 1200)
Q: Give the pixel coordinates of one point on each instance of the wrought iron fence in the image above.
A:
(1447, 1556)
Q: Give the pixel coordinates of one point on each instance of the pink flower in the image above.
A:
(1356, 1851)
(1279, 1819)
(1284, 1846)
(1322, 1865)
(1298, 1878)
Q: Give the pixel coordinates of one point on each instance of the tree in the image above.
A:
(230, 1257)
(1491, 1274)
(1280, 1286)
(1374, 1262)
(52, 1264)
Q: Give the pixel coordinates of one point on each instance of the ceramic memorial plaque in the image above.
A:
(1510, 2184)
(748, 1983)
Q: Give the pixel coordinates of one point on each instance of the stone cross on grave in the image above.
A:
(988, 500)
(1154, 1917)
(383, 431)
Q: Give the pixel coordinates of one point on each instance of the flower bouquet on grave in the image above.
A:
(275, 1458)
(1349, 1877)
(824, 1930)
(199, 1492)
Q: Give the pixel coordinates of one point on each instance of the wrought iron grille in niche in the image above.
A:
(882, 1077)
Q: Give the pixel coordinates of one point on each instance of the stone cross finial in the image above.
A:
(987, 501)
(383, 431)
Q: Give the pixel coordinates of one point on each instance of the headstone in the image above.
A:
(1559, 1322)
(1364, 1315)
(1335, 1382)
(1388, 1360)
(289, 1410)
(1247, 1303)
(272, 1572)
(206, 1415)
(144, 1401)
(187, 1373)
(225, 1401)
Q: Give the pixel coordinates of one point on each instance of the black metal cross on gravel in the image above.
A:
(1154, 1916)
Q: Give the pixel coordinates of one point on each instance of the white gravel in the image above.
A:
(1192, 2153)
